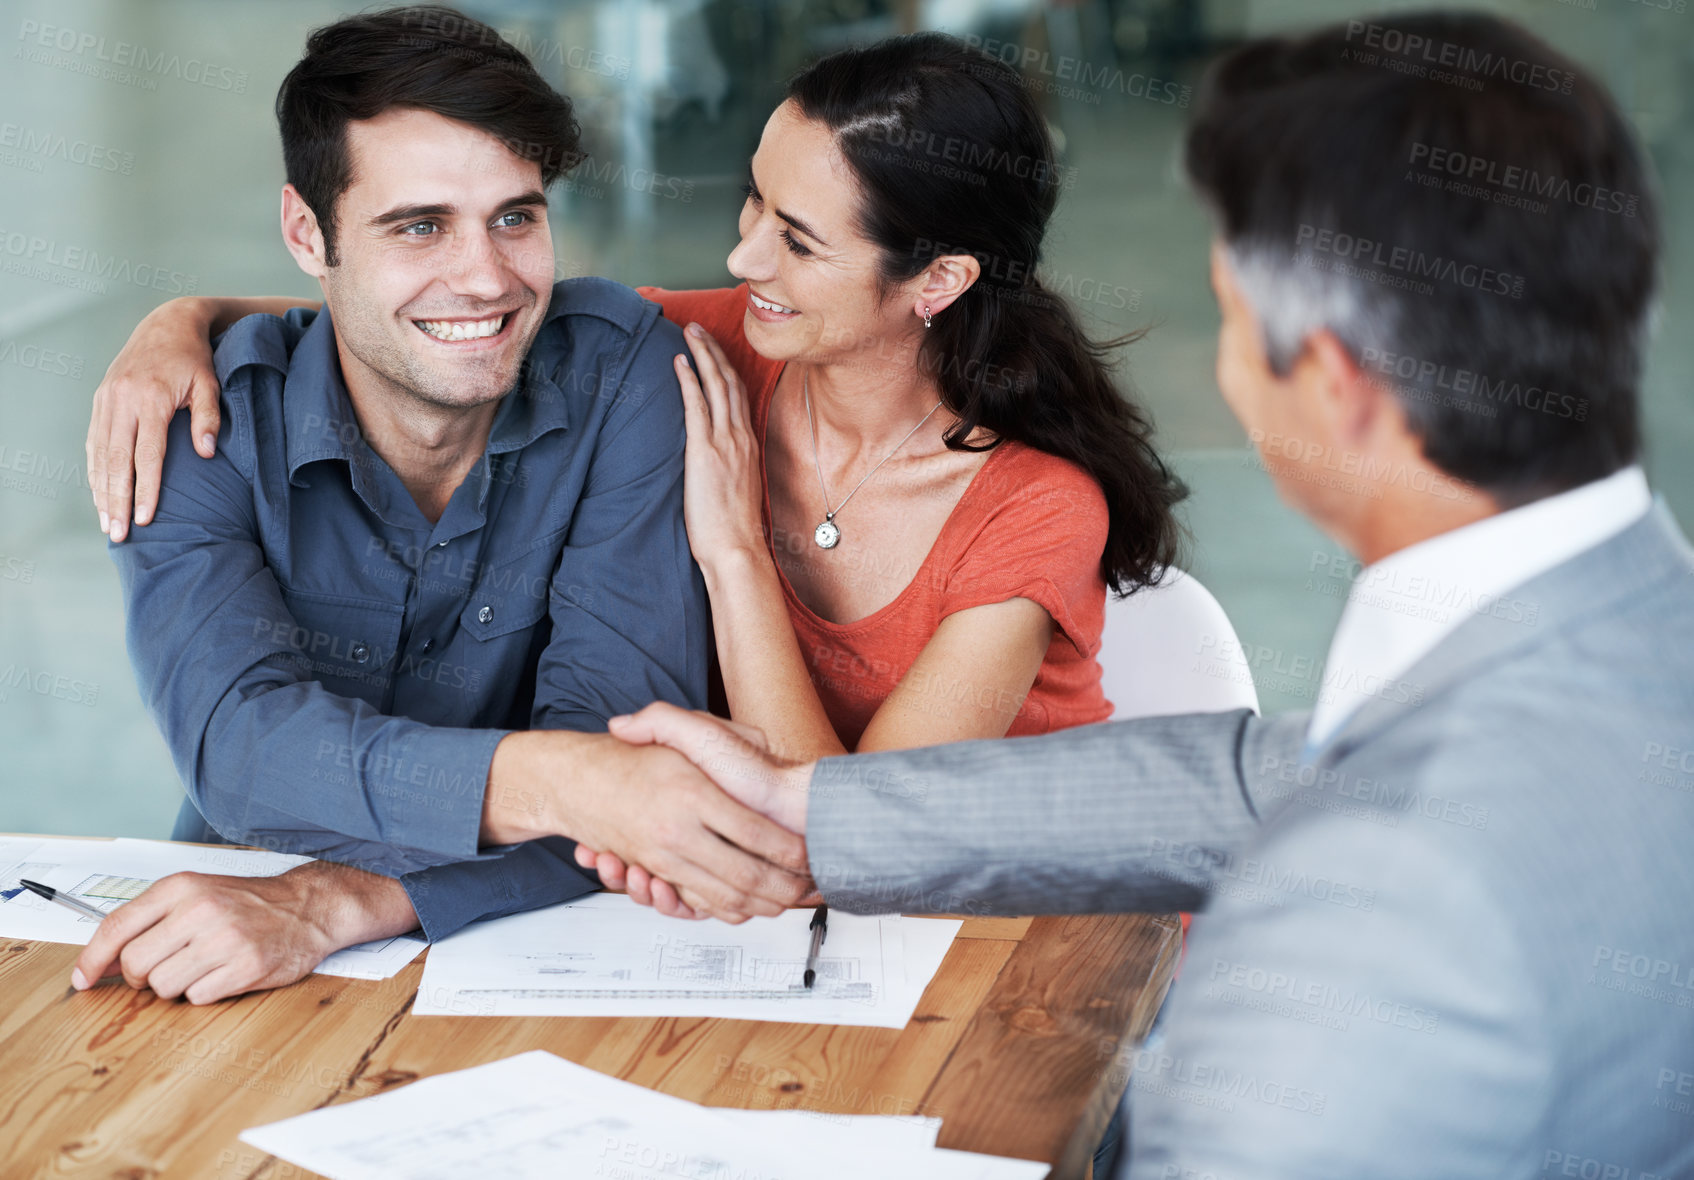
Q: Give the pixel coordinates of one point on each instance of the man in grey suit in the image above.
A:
(1446, 927)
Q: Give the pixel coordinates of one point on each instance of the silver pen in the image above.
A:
(64, 899)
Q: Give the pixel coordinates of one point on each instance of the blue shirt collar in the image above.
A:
(317, 410)
(318, 413)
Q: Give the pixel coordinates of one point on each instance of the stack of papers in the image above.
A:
(604, 955)
(537, 1115)
(107, 873)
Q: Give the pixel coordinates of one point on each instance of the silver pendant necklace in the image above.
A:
(828, 534)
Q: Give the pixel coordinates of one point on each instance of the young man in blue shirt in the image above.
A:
(439, 544)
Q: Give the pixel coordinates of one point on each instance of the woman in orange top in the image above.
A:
(932, 536)
(909, 478)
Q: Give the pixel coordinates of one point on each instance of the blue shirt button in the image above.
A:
(485, 615)
(361, 653)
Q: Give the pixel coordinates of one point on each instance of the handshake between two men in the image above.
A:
(736, 758)
(695, 814)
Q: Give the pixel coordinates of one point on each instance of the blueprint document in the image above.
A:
(604, 955)
(538, 1117)
(107, 873)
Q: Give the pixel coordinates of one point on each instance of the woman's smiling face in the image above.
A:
(812, 275)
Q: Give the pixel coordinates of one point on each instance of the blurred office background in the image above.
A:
(142, 130)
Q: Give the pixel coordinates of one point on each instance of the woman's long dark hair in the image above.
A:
(952, 157)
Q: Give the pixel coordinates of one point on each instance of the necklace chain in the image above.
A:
(828, 534)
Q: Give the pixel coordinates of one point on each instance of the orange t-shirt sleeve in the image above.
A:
(1042, 541)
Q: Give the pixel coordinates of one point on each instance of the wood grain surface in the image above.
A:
(1019, 1045)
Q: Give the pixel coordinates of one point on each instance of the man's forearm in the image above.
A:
(524, 783)
(353, 906)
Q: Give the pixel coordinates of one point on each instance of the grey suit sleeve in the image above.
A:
(1126, 816)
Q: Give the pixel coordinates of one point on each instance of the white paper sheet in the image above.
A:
(538, 1116)
(106, 873)
(603, 955)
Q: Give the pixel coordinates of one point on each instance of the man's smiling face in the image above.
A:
(445, 263)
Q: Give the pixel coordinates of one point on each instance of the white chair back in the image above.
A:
(1171, 649)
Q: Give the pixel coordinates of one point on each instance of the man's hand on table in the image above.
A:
(740, 761)
(206, 937)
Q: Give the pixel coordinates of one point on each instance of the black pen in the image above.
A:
(820, 931)
(64, 899)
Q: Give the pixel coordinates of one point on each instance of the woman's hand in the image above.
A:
(166, 365)
(722, 489)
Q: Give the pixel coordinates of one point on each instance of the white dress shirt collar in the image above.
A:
(1401, 607)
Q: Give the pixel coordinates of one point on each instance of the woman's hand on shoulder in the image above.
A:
(165, 365)
(723, 489)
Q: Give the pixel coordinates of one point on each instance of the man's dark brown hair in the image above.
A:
(425, 57)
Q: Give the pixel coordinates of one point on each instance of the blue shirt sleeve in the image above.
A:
(628, 605)
(240, 715)
(533, 874)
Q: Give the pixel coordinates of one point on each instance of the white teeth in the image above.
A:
(769, 306)
(462, 329)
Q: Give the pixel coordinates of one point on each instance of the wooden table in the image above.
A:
(1021, 1045)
